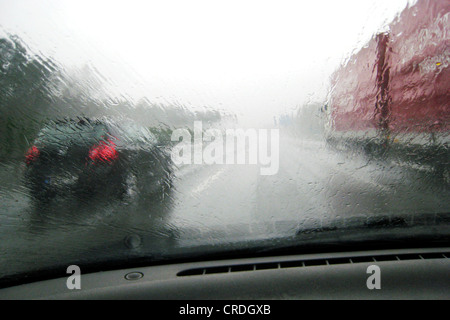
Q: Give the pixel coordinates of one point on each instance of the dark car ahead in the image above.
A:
(83, 157)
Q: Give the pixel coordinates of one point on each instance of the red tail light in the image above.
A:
(104, 151)
(32, 154)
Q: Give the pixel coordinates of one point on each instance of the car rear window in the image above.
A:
(71, 133)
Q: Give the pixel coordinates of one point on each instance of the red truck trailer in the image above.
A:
(393, 95)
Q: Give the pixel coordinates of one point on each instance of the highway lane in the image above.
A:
(313, 183)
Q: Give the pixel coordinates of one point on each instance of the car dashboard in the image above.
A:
(421, 273)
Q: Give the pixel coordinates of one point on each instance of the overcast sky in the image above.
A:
(255, 58)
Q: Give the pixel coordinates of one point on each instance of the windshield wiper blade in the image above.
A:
(378, 222)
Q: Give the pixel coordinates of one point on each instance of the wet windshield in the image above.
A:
(212, 127)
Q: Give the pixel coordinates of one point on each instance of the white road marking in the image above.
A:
(205, 184)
